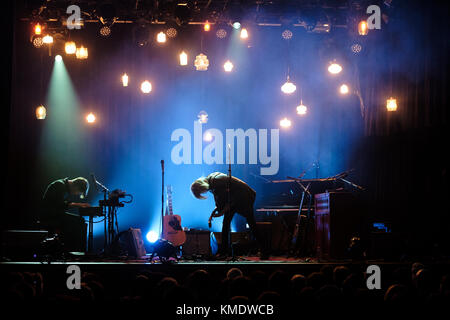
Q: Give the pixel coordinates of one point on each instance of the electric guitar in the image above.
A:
(172, 230)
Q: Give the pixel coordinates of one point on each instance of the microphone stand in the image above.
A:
(229, 202)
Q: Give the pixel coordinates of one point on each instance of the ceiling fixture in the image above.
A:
(201, 62)
(161, 37)
(285, 123)
(391, 104)
(47, 39)
(125, 80)
(82, 53)
(70, 47)
(146, 86)
(344, 89)
(41, 112)
(363, 29)
(301, 109)
(228, 66)
(287, 34)
(334, 68)
(183, 59)
(244, 34)
(288, 87)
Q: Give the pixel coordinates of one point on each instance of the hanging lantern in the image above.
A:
(302, 109)
(391, 104)
(288, 87)
(125, 80)
(37, 29)
(70, 47)
(82, 53)
(201, 62)
(48, 39)
(41, 112)
(363, 29)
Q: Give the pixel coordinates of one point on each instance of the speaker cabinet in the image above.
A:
(197, 243)
(133, 243)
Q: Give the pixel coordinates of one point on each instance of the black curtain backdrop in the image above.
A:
(403, 159)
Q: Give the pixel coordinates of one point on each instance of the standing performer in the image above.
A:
(61, 195)
(242, 198)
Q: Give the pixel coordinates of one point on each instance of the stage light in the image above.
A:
(82, 53)
(47, 39)
(152, 236)
(228, 66)
(344, 89)
(334, 68)
(41, 112)
(37, 29)
(70, 47)
(171, 32)
(201, 62)
(206, 26)
(38, 42)
(244, 34)
(161, 37)
(105, 31)
(202, 117)
(287, 34)
(236, 25)
(207, 136)
(90, 118)
(363, 29)
(288, 87)
(285, 123)
(58, 58)
(183, 59)
(302, 109)
(125, 80)
(391, 104)
(221, 33)
(146, 87)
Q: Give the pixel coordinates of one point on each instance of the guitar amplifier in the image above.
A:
(133, 243)
(197, 243)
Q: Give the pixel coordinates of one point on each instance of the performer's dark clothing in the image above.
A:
(242, 198)
(70, 227)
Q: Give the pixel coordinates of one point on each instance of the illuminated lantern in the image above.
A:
(301, 109)
(363, 29)
(70, 47)
(125, 80)
(48, 39)
(201, 62)
(37, 29)
(288, 87)
(285, 123)
(183, 59)
(41, 112)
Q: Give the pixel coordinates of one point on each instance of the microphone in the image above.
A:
(162, 165)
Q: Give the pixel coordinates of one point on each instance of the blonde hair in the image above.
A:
(200, 186)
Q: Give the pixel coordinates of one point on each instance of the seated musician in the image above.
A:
(242, 198)
(62, 195)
